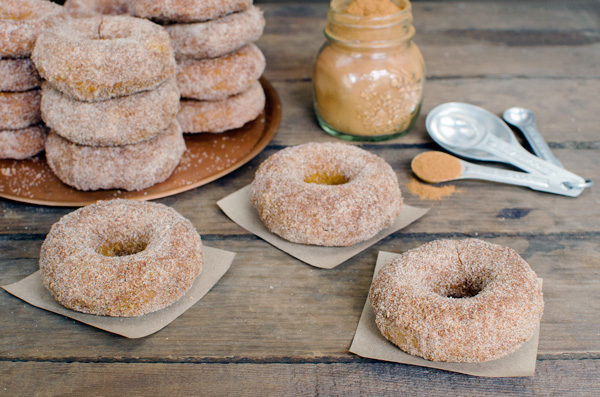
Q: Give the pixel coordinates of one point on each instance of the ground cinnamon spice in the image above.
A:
(372, 8)
(429, 192)
(436, 167)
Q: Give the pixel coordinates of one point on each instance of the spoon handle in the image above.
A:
(521, 158)
(538, 144)
(532, 181)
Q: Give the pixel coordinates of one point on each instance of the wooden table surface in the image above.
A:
(274, 325)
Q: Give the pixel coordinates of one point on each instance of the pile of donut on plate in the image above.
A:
(22, 134)
(110, 99)
(218, 64)
(121, 258)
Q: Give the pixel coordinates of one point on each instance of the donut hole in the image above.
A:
(460, 289)
(123, 248)
(326, 178)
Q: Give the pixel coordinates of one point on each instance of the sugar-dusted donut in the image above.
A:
(329, 194)
(121, 258)
(218, 37)
(18, 75)
(458, 301)
(218, 78)
(22, 21)
(92, 8)
(129, 167)
(120, 121)
(23, 143)
(218, 116)
(93, 59)
(19, 109)
(187, 10)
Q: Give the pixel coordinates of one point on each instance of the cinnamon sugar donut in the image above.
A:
(187, 10)
(94, 59)
(329, 194)
(120, 121)
(129, 167)
(19, 109)
(233, 112)
(457, 301)
(17, 75)
(121, 258)
(217, 37)
(22, 21)
(218, 78)
(23, 143)
(92, 8)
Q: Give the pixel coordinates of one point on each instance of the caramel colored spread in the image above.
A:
(372, 8)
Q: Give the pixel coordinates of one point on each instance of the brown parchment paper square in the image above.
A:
(370, 343)
(216, 264)
(238, 208)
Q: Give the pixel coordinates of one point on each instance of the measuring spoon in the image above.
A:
(524, 119)
(474, 171)
(468, 130)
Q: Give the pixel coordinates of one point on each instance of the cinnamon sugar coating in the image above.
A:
(217, 37)
(457, 301)
(19, 109)
(187, 10)
(364, 200)
(129, 167)
(92, 8)
(218, 78)
(121, 258)
(233, 112)
(17, 75)
(22, 21)
(94, 59)
(23, 143)
(119, 121)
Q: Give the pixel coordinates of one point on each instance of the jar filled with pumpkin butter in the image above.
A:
(368, 77)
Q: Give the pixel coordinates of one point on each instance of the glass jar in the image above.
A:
(369, 75)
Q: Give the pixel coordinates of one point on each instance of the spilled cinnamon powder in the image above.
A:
(430, 192)
(372, 8)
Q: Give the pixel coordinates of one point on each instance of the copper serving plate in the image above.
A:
(208, 157)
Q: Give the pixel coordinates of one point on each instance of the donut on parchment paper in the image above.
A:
(121, 258)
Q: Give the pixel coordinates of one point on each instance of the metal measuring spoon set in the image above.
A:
(472, 132)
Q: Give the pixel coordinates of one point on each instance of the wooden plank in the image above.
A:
(567, 377)
(270, 306)
(458, 39)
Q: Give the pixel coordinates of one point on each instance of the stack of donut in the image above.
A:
(110, 99)
(21, 133)
(218, 66)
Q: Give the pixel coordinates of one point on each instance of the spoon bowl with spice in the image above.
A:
(437, 167)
